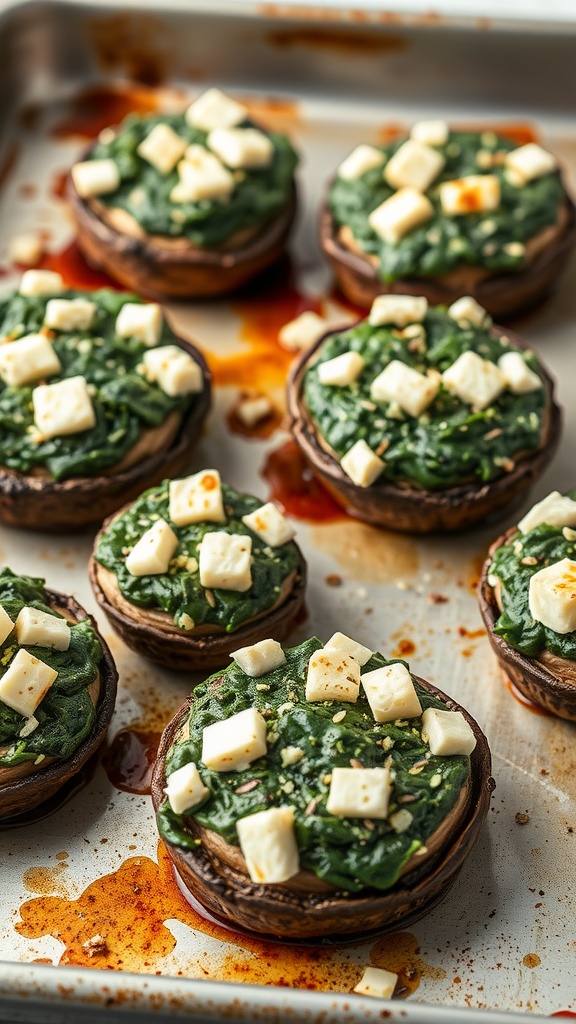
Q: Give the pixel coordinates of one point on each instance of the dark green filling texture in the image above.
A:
(443, 242)
(66, 714)
(346, 852)
(514, 564)
(258, 196)
(179, 591)
(125, 403)
(449, 443)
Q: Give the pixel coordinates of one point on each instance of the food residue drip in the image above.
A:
(129, 758)
(293, 486)
(524, 701)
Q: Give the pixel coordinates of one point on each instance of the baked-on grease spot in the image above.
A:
(367, 553)
(292, 486)
(531, 960)
(46, 880)
(400, 953)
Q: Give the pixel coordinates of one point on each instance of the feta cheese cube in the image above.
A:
(241, 148)
(213, 109)
(476, 193)
(359, 793)
(400, 214)
(345, 644)
(252, 410)
(528, 162)
(555, 509)
(268, 523)
(431, 133)
(95, 177)
(391, 693)
(260, 658)
(359, 161)
(552, 596)
(27, 360)
(474, 380)
(519, 378)
(305, 330)
(197, 499)
(361, 464)
(377, 982)
(142, 321)
(35, 628)
(467, 310)
(332, 675)
(225, 561)
(162, 148)
(6, 624)
(41, 282)
(185, 789)
(202, 176)
(447, 732)
(402, 384)
(25, 248)
(414, 165)
(268, 843)
(342, 370)
(69, 314)
(399, 310)
(174, 370)
(63, 408)
(232, 745)
(25, 683)
(151, 555)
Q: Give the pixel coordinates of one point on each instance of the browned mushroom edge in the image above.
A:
(403, 506)
(39, 503)
(501, 294)
(23, 794)
(555, 691)
(302, 913)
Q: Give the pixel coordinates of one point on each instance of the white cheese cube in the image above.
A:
(225, 561)
(467, 310)
(399, 310)
(477, 193)
(162, 148)
(529, 161)
(332, 675)
(95, 177)
(232, 745)
(447, 732)
(359, 793)
(474, 380)
(251, 411)
(174, 370)
(185, 789)
(69, 314)
(35, 628)
(342, 370)
(431, 133)
(268, 843)
(142, 321)
(6, 624)
(151, 555)
(25, 248)
(552, 596)
(197, 499)
(391, 694)
(361, 464)
(260, 658)
(25, 683)
(345, 644)
(359, 161)
(555, 509)
(202, 176)
(268, 523)
(63, 408)
(241, 148)
(402, 384)
(305, 330)
(377, 982)
(414, 165)
(213, 109)
(519, 378)
(400, 214)
(41, 282)
(27, 360)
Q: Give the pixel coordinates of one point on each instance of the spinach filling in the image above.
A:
(66, 714)
(443, 242)
(179, 592)
(124, 402)
(348, 853)
(259, 194)
(450, 442)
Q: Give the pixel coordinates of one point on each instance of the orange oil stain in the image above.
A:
(77, 273)
(367, 553)
(471, 634)
(524, 701)
(531, 960)
(98, 107)
(475, 572)
(46, 880)
(404, 649)
(293, 486)
(129, 758)
(400, 953)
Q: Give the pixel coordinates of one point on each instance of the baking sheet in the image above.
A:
(503, 938)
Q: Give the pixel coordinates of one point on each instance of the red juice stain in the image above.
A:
(77, 273)
(129, 759)
(99, 107)
(564, 1013)
(293, 486)
(524, 701)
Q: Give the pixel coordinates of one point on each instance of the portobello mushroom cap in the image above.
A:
(306, 907)
(404, 506)
(546, 680)
(25, 786)
(36, 502)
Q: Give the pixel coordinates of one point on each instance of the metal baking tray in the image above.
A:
(500, 948)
